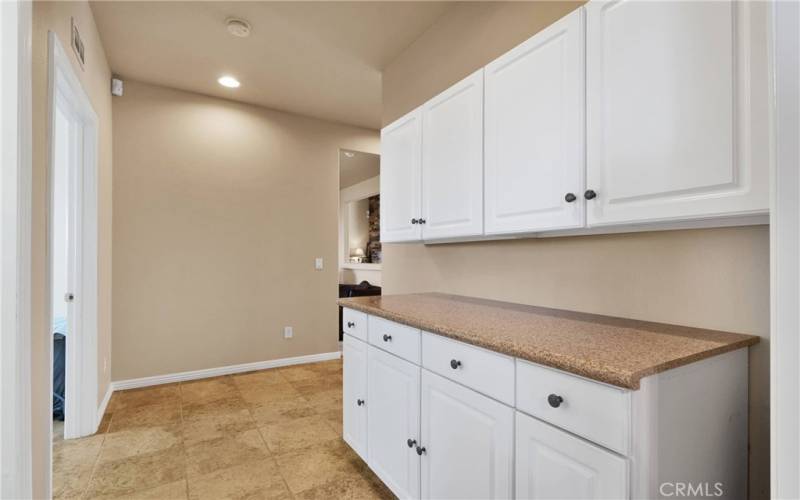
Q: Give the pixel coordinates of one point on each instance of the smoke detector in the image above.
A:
(238, 27)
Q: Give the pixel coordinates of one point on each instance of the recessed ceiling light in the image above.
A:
(228, 81)
(349, 154)
(238, 27)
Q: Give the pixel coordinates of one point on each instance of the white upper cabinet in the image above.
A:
(401, 171)
(534, 132)
(672, 94)
(452, 161)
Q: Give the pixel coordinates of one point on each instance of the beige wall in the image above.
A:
(716, 278)
(95, 78)
(219, 211)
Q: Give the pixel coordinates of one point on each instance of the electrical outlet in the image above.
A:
(288, 332)
(318, 263)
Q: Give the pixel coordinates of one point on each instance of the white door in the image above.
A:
(552, 464)
(401, 171)
(534, 136)
(671, 110)
(354, 395)
(452, 161)
(467, 440)
(393, 422)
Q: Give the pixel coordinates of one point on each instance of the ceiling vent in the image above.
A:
(238, 27)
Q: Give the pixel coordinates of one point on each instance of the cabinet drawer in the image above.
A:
(400, 340)
(485, 371)
(355, 323)
(598, 412)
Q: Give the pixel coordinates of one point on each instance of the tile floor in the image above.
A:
(267, 434)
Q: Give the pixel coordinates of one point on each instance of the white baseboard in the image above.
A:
(135, 383)
(101, 410)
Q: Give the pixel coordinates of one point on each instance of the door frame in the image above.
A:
(15, 249)
(785, 252)
(81, 377)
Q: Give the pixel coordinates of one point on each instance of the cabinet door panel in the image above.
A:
(468, 440)
(401, 163)
(354, 389)
(393, 419)
(670, 111)
(534, 132)
(552, 464)
(452, 161)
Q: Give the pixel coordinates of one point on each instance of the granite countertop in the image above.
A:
(612, 350)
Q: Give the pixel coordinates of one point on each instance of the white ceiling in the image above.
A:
(322, 59)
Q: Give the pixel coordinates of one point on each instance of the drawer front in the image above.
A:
(598, 412)
(486, 372)
(355, 323)
(400, 340)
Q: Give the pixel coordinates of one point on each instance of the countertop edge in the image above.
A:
(631, 381)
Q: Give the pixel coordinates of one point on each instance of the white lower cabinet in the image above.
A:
(393, 422)
(354, 395)
(467, 442)
(552, 464)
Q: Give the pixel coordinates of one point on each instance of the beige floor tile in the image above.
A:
(143, 397)
(194, 411)
(260, 378)
(138, 473)
(255, 479)
(297, 434)
(327, 367)
(170, 491)
(217, 425)
(275, 392)
(212, 389)
(314, 467)
(73, 462)
(208, 456)
(334, 418)
(300, 372)
(139, 441)
(282, 410)
(105, 423)
(167, 412)
(325, 400)
(353, 487)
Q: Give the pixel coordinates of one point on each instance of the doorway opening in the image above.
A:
(72, 255)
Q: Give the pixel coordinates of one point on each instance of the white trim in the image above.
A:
(136, 383)
(15, 250)
(101, 410)
(81, 348)
(785, 254)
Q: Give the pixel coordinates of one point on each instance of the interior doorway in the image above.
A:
(72, 266)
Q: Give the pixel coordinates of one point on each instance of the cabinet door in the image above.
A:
(535, 148)
(393, 420)
(452, 161)
(401, 163)
(468, 441)
(675, 95)
(354, 395)
(552, 464)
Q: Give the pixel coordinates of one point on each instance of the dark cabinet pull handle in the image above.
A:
(422, 221)
(590, 194)
(387, 338)
(350, 324)
(415, 221)
(570, 197)
(411, 442)
(555, 400)
(360, 402)
(454, 364)
(420, 451)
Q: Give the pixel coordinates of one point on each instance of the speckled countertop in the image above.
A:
(612, 350)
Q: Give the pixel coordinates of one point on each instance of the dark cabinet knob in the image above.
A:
(454, 364)
(415, 221)
(360, 402)
(555, 400)
(422, 221)
(420, 451)
(411, 442)
(590, 194)
(387, 338)
(350, 324)
(570, 197)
